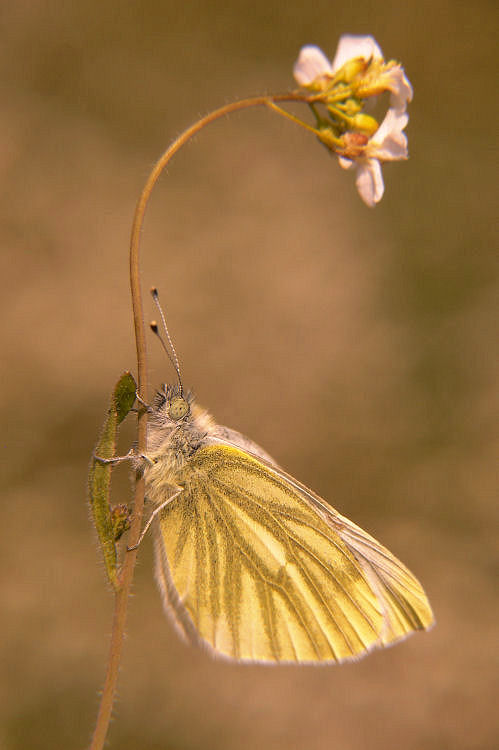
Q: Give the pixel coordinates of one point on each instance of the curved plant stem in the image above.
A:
(122, 595)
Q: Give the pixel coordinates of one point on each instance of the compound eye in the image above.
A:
(178, 408)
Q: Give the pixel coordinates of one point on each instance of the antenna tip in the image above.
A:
(154, 292)
(153, 326)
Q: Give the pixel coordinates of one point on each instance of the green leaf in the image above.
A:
(99, 477)
(124, 395)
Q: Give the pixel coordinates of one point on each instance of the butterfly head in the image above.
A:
(178, 408)
(177, 425)
(172, 405)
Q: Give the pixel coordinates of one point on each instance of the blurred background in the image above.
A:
(355, 345)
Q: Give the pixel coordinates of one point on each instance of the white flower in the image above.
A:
(358, 73)
(312, 69)
(387, 144)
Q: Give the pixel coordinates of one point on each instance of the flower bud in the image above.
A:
(366, 124)
(352, 107)
(327, 137)
(120, 519)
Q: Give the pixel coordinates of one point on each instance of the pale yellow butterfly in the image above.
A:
(252, 565)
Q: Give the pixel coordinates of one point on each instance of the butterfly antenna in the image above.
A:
(154, 328)
(170, 352)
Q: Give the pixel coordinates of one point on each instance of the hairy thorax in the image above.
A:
(169, 446)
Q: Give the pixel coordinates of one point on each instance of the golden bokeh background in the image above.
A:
(356, 345)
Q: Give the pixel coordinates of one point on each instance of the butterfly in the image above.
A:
(252, 565)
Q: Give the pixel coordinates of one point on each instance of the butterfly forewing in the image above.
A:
(254, 566)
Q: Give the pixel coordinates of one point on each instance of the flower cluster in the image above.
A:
(357, 73)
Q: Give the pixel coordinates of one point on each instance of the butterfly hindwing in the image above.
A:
(254, 566)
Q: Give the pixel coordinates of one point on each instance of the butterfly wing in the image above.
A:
(228, 436)
(255, 567)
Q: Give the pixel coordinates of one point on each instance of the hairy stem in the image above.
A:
(126, 577)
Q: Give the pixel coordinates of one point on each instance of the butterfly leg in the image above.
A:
(141, 401)
(130, 456)
(153, 516)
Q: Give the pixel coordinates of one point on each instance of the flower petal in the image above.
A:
(345, 163)
(389, 143)
(312, 63)
(400, 87)
(351, 46)
(369, 181)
